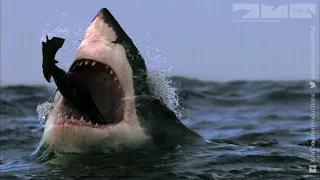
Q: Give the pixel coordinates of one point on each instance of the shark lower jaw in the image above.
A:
(78, 136)
(70, 135)
(74, 120)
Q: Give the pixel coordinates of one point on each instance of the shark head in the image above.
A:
(111, 68)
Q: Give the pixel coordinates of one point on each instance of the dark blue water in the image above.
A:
(256, 130)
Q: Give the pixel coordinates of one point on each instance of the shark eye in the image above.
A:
(117, 41)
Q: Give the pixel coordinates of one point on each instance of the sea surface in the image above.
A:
(255, 130)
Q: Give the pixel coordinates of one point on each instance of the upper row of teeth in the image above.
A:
(86, 62)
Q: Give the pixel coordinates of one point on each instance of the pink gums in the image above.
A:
(76, 122)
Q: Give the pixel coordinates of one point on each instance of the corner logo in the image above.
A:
(312, 85)
(276, 12)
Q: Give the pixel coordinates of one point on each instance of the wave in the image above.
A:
(23, 99)
(245, 92)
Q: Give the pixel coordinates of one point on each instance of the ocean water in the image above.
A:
(255, 130)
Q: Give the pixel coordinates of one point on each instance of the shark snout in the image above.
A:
(102, 27)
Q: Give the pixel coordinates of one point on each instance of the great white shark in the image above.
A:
(110, 67)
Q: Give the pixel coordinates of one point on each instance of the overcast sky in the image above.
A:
(202, 39)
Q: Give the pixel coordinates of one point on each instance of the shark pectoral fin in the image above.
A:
(164, 126)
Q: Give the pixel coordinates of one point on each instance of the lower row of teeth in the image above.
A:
(92, 64)
(74, 120)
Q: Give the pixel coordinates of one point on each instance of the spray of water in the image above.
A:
(63, 25)
(45, 108)
(158, 69)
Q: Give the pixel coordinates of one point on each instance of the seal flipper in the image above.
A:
(51, 46)
(49, 50)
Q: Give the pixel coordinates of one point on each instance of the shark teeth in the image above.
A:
(92, 63)
(72, 120)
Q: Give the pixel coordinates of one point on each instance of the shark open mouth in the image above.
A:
(101, 81)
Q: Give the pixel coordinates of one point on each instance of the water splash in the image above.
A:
(158, 69)
(43, 112)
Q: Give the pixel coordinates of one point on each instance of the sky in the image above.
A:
(198, 39)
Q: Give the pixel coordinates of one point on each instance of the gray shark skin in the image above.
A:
(110, 68)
